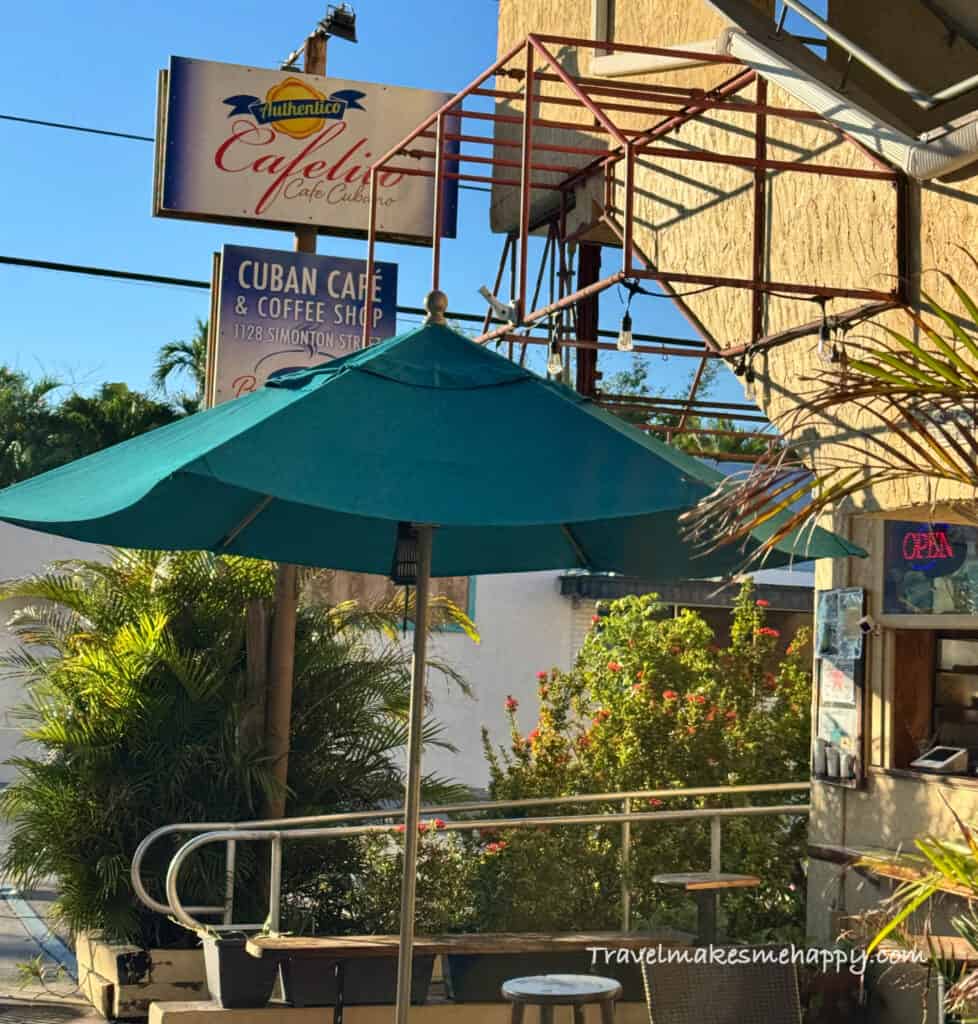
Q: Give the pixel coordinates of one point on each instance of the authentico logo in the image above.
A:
(295, 108)
(826, 960)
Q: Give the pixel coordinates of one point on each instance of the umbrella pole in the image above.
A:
(412, 795)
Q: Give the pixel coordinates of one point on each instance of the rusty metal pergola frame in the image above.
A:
(445, 140)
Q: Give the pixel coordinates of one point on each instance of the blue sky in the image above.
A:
(77, 198)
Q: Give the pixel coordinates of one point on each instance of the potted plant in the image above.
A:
(235, 978)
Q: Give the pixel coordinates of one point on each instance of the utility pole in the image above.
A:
(278, 710)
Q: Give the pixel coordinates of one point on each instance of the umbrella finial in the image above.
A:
(435, 304)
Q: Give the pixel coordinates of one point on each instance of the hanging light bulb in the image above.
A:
(555, 364)
(625, 343)
(825, 337)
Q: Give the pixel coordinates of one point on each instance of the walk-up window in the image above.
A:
(935, 698)
(931, 569)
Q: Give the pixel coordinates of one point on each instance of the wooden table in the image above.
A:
(879, 863)
(706, 887)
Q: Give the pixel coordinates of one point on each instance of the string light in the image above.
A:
(625, 343)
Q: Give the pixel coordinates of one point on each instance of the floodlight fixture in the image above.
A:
(340, 22)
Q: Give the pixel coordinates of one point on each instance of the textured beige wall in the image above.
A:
(696, 218)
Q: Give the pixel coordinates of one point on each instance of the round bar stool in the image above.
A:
(550, 990)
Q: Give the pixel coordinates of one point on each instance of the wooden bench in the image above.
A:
(349, 947)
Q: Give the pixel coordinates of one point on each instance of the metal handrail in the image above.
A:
(279, 829)
(135, 871)
(924, 100)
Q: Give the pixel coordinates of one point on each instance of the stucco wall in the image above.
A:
(526, 627)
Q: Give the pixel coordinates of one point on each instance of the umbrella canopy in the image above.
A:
(318, 467)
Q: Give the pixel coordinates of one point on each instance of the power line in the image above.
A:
(76, 128)
(181, 282)
(188, 282)
(122, 275)
(137, 138)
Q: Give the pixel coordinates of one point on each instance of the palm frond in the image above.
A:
(897, 409)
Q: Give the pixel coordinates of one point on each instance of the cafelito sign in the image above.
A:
(242, 145)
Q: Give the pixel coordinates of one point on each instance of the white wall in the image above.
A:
(526, 626)
(23, 552)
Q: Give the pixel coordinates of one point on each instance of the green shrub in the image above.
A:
(653, 703)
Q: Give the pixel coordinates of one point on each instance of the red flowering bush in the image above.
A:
(654, 703)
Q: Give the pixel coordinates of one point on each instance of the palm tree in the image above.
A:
(188, 358)
(26, 423)
(137, 677)
(916, 403)
(88, 423)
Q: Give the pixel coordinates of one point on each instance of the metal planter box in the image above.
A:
(366, 981)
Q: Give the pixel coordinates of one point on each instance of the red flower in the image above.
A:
(496, 847)
(696, 698)
(595, 619)
(656, 803)
(544, 692)
(639, 674)
(761, 603)
(602, 716)
(730, 715)
(691, 730)
(541, 675)
(790, 649)
(584, 740)
(399, 828)
(438, 823)
(533, 736)
(614, 666)
(511, 703)
(669, 694)
(638, 687)
(768, 631)
(711, 714)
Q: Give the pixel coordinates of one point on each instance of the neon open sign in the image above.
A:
(924, 545)
(930, 568)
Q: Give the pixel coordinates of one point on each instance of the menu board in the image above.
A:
(837, 632)
(930, 568)
(837, 754)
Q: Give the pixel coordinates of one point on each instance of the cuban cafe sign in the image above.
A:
(246, 145)
(283, 311)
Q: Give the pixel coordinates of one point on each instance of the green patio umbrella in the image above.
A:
(428, 443)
